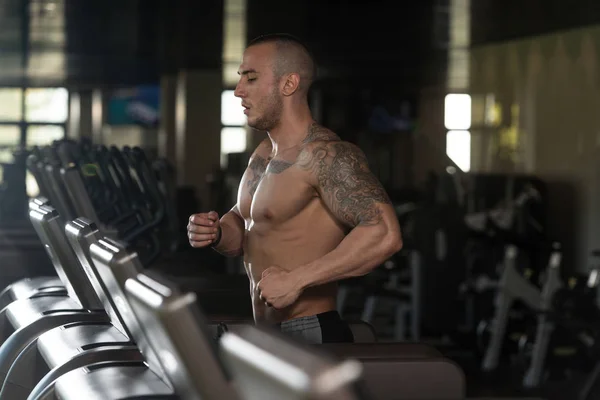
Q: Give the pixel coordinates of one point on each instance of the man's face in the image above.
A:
(258, 87)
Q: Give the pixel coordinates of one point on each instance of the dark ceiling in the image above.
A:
(86, 42)
(113, 42)
(501, 20)
(104, 42)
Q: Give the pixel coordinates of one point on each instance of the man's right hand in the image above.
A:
(203, 229)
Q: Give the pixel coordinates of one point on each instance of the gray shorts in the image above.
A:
(327, 327)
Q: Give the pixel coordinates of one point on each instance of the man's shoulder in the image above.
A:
(329, 156)
(318, 133)
(332, 147)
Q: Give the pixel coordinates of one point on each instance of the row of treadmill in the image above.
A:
(107, 326)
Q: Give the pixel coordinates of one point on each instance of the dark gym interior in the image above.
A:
(118, 121)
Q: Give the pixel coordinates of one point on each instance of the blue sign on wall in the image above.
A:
(135, 106)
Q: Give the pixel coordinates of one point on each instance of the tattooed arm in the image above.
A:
(347, 187)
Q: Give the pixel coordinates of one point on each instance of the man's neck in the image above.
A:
(291, 131)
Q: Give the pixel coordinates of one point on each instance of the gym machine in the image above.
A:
(514, 286)
(68, 347)
(175, 323)
(112, 379)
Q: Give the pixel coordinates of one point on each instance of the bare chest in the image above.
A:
(275, 193)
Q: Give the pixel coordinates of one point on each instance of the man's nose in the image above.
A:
(239, 92)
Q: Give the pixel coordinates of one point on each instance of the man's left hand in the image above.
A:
(278, 288)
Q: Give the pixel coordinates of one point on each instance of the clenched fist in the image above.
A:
(204, 229)
(278, 288)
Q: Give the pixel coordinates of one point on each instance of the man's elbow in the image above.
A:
(392, 244)
(389, 242)
(386, 247)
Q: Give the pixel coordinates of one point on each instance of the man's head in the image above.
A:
(276, 70)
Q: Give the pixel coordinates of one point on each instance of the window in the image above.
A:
(457, 120)
(233, 132)
(233, 140)
(234, 39)
(31, 117)
(42, 135)
(232, 112)
(10, 135)
(46, 105)
(458, 148)
(457, 111)
(11, 105)
(6, 155)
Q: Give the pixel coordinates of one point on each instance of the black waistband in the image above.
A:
(324, 317)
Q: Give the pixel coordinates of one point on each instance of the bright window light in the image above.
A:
(232, 112)
(233, 140)
(457, 112)
(43, 135)
(46, 104)
(10, 104)
(10, 135)
(458, 148)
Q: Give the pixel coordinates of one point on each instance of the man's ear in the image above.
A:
(291, 83)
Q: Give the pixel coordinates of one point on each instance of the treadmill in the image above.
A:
(180, 334)
(24, 320)
(75, 345)
(116, 379)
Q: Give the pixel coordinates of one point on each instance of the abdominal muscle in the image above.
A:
(289, 249)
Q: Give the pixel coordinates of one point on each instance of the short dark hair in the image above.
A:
(277, 37)
(293, 56)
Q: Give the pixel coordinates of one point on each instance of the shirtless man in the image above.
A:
(309, 212)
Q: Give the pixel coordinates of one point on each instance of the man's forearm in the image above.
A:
(232, 235)
(363, 249)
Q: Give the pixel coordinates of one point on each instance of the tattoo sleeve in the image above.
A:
(317, 132)
(345, 182)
